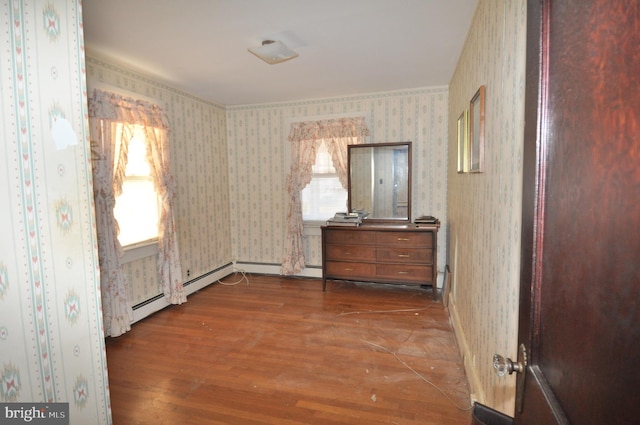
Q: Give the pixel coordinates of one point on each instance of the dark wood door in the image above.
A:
(580, 280)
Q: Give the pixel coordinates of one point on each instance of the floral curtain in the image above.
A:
(305, 137)
(112, 118)
(109, 162)
(169, 267)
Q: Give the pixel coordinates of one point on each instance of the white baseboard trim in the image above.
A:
(475, 385)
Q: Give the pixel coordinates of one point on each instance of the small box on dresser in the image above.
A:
(402, 254)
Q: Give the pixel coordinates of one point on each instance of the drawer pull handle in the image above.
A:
(403, 239)
(347, 269)
(403, 256)
(403, 272)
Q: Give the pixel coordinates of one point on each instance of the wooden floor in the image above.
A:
(280, 351)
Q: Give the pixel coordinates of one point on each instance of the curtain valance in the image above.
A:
(115, 108)
(329, 129)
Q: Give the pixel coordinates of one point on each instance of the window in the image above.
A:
(137, 207)
(324, 195)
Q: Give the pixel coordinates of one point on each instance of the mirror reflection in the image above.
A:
(380, 180)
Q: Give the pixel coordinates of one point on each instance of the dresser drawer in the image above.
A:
(404, 272)
(405, 255)
(347, 236)
(350, 252)
(412, 239)
(347, 270)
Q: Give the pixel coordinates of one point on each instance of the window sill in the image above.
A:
(139, 251)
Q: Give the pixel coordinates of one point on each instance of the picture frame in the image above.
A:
(476, 131)
(463, 142)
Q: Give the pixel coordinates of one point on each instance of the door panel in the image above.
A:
(580, 275)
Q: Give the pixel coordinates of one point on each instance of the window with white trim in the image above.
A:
(324, 195)
(137, 208)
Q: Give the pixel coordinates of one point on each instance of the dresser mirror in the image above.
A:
(380, 181)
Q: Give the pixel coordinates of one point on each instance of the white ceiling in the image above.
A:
(345, 46)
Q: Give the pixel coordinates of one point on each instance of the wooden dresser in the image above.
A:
(402, 254)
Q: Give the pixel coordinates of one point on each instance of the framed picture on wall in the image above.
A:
(476, 131)
(463, 142)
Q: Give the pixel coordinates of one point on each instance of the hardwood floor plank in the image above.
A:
(281, 351)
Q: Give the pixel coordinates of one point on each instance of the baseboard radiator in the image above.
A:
(157, 303)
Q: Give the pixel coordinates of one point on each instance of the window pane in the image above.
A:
(324, 164)
(322, 198)
(137, 207)
(137, 212)
(137, 164)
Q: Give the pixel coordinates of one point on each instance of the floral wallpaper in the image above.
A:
(199, 165)
(259, 161)
(484, 210)
(230, 165)
(51, 340)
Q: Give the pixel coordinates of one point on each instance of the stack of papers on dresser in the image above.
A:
(427, 220)
(345, 219)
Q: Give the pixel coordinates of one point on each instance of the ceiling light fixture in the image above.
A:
(273, 52)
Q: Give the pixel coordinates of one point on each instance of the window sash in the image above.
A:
(323, 197)
(137, 208)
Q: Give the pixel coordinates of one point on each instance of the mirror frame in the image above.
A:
(409, 172)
